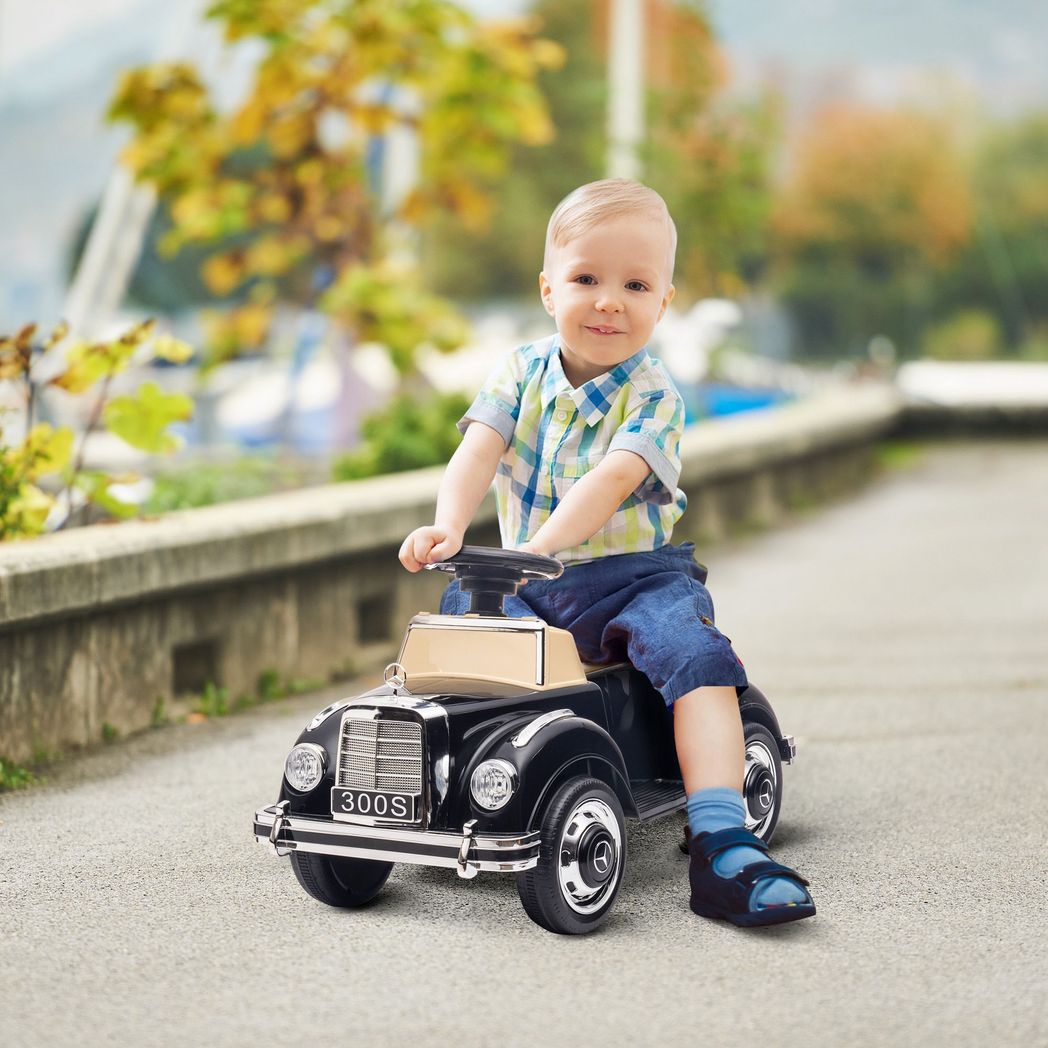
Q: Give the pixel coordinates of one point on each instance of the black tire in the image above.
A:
(338, 881)
(582, 859)
(762, 783)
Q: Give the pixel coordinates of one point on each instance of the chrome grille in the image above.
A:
(381, 754)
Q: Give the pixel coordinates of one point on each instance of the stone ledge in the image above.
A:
(105, 565)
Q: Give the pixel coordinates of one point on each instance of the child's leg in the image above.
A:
(707, 729)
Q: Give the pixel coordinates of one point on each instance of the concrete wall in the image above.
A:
(102, 627)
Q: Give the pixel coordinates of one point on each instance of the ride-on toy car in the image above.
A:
(490, 747)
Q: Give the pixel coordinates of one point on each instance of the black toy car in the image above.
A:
(490, 747)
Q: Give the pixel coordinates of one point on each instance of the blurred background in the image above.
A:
(335, 213)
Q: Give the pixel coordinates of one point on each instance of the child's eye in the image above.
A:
(585, 278)
(636, 285)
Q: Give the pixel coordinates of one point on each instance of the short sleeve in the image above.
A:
(498, 403)
(652, 429)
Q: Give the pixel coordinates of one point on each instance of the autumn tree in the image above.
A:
(875, 203)
(279, 192)
(1003, 269)
(709, 157)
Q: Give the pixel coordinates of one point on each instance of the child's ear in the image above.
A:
(547, 294)
(666, 300)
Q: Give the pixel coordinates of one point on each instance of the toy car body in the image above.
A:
(491, 748)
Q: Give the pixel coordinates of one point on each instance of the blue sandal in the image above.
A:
(728, 898)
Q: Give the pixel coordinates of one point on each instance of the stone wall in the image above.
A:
(105, 628)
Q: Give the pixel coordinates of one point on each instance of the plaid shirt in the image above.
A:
(555, 434)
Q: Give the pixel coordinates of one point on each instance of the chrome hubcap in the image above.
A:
(760, 786)
(590, 856)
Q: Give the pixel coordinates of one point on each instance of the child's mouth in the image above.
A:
(604, 330)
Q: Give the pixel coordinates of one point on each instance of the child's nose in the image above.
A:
(608, 302)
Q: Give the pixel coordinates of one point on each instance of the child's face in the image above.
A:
(607, 289)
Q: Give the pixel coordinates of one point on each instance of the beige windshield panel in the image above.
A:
(532, 655)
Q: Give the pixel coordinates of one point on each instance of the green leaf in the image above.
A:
(142, 419)
(96, 487)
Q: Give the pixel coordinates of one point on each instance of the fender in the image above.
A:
(566, 747)
(569, 745)
(754, 706)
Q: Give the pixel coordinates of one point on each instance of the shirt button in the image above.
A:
(562, 416)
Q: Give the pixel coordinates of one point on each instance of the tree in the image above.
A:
(280, 191)
(709, 158)
(876, 202)
(1004, 266)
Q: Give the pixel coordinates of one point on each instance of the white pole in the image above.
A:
(625, 88)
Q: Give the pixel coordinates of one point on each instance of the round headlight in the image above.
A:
(493, 784)
(304, 767)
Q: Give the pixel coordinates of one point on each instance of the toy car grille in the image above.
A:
(381, 755)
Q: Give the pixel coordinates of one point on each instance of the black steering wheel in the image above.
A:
(488, 575)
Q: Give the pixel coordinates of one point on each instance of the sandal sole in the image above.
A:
(761, 918)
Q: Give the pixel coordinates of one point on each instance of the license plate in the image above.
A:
(403, 807)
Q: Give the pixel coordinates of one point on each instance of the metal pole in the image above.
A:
(625, 88)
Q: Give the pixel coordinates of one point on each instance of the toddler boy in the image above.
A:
(580, 433)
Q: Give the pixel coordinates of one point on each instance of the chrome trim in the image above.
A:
(532, 728)
(320, 752)
(510, 771)
(758, 754)
(341, 837)
(575, 890)
(326, 712)
(280, 820)
(436, 751)
(531, 624)
(791, 749)
(466, 871)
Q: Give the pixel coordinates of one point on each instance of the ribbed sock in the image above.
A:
(721, 808)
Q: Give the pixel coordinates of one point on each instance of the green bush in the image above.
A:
(971, 334)
(406, 434)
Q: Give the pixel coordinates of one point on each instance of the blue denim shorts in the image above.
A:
(650, 609)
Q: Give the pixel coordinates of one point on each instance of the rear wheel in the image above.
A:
(762, 781)
(761, 784)
(582, 858)
(339, 881)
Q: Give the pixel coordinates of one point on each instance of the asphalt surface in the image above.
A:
(903, 639)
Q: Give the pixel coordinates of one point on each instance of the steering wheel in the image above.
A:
(488, 575)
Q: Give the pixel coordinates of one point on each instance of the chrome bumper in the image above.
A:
(467, 852)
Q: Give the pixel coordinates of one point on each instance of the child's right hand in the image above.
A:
(429, 545)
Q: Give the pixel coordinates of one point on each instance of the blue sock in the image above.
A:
(721, 808)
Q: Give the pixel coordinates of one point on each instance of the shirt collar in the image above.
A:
(593, 398)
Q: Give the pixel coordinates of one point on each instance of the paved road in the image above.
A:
(903, 637)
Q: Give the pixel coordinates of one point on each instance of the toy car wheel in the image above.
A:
(762, 781)
(340, 881)
(582, 857)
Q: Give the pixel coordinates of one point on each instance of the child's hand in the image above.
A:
(429, 545)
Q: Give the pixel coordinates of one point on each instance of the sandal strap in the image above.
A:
(710, 845)
(748, 876)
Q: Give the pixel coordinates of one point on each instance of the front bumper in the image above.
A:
(468, 853)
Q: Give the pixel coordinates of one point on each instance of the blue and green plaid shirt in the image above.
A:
(555, 434)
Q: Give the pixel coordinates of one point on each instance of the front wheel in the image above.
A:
(582, 858)
(339, 881)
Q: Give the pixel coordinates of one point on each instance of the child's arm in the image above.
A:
(591, 503)
(462, 489)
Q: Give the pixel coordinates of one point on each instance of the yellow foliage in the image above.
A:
(876, 180)
(223, 273)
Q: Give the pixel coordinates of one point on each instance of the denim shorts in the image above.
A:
(650, 609)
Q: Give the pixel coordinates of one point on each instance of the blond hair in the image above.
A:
(596, 202)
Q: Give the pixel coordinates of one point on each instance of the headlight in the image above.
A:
(493, 784)
(304, 767)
